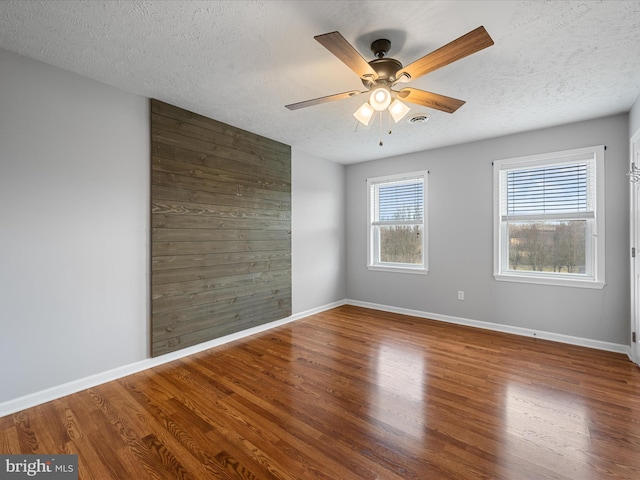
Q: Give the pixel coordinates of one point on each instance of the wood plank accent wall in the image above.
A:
(220, 229)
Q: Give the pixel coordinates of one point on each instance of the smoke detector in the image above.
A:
(418, 118)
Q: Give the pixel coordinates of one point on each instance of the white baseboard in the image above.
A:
(37, 398)
(527, 332)
(313, 311)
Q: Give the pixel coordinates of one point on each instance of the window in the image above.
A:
(397, 223)
(549, 218)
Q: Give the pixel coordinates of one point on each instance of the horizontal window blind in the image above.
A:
(549, 191)
(399, 201)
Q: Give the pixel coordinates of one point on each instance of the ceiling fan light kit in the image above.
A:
(364, 113)
(380, 98)
(381, 74)
(398, 110)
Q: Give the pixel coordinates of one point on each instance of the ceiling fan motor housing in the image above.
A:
(386, 68)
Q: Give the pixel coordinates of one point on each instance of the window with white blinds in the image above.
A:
(401, 201)
(562, 189)
(549, 218)
(397, 223)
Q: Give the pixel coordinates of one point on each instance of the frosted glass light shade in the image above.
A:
(380, 98)
(398, 110)
(364, 113)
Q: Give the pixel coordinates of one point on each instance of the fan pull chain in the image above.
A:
(381, 129)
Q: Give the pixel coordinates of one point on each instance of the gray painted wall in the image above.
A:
(461, 234)
(634, 118)
(318, 239)
(74, 228)
(74, 208)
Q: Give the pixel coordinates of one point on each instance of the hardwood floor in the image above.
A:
(354, 394)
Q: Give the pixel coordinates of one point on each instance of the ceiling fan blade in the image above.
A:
(431, 100)
(341, 48)
(317, 101)
(472, 42)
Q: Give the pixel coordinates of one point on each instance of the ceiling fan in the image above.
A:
(381, 74)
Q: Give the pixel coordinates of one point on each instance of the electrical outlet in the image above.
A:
(460, 294)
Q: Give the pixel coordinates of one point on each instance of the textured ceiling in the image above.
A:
(241, 62)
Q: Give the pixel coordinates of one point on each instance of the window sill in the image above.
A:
(415, 270)
(558, 282)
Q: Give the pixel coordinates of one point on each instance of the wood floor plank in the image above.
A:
(354, 394)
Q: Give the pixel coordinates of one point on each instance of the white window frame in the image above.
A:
(595, 254)
(373, 261)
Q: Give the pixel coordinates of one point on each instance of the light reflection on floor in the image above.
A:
(400, 375)
(548, 428)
